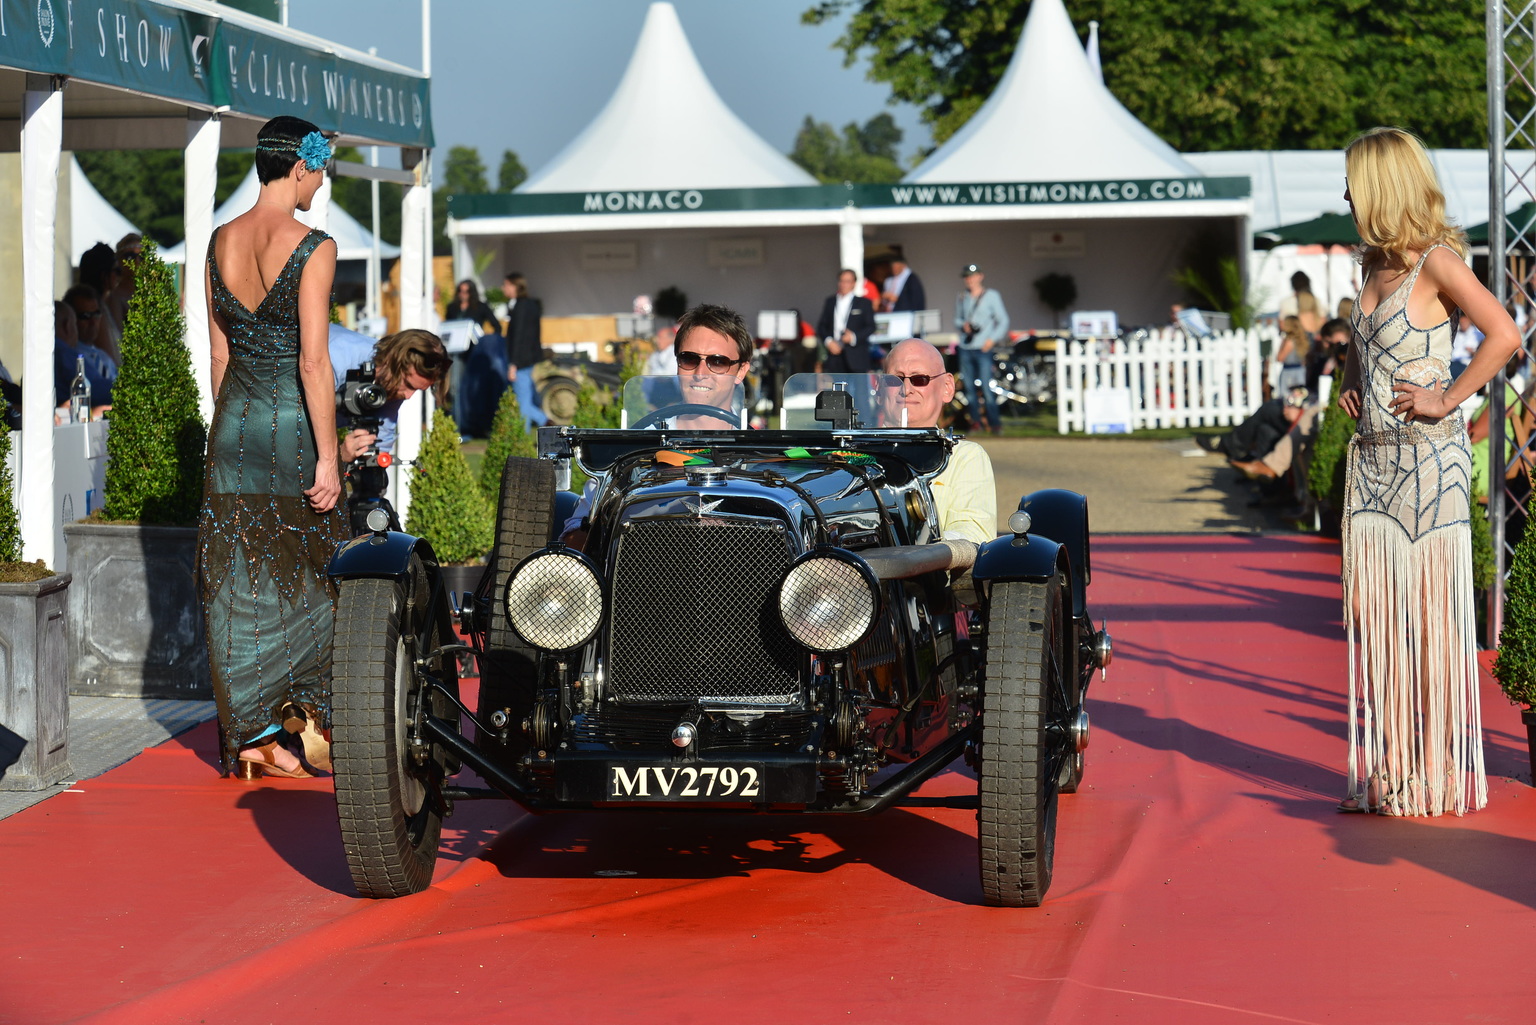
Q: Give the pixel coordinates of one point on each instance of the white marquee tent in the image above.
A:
(663, 97)
(91, 218)
(1092, 193)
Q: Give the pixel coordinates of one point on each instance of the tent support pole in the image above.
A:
(415, 272)
(200, 161)
(850, 242)
(42, 136)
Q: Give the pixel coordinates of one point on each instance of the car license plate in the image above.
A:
(685, 782)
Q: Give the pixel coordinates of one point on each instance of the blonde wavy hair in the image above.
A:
(1399, 208)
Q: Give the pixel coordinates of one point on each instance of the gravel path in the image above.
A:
(1133, 486)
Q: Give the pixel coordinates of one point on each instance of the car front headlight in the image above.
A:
(555, 600)
(828, 599)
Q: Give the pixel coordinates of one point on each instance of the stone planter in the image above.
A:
(34, 683)
(136, 615)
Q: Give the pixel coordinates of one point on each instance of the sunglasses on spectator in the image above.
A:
(916, 380)
(88, 315)
(690, 361)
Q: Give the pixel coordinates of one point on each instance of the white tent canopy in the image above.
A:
(1291, 186)
(91, 218)
(1051, 119)
(665, 96)
(353, 241)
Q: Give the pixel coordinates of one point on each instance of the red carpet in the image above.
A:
(1202, 876)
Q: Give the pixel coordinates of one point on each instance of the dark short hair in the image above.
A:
(848, 270)
(95, 264)
(1300, 282)
(719, 319)
(519, 285)
(81, 292)
(282, 136)
(1333, 326)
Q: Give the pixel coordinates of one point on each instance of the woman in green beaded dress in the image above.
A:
(270, 518)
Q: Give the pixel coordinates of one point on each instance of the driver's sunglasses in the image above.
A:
(690, 361)
(916, 380)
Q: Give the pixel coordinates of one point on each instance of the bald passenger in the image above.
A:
(916, 384)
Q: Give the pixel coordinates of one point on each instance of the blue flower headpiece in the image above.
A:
(312, 149)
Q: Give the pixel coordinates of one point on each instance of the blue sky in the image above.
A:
(528, 76)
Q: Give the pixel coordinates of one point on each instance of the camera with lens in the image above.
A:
(359, 400)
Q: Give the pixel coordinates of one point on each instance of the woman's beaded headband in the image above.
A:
(312, 149)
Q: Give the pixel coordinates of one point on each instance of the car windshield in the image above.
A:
(865, 394)
(698, 402)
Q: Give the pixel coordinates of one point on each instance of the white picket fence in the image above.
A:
(1173, 380)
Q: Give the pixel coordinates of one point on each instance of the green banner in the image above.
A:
(1107, 192)
(202, 60)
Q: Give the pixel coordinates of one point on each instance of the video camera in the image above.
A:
(360, 399)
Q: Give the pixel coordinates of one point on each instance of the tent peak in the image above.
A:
(664, 96)
(1051, 119)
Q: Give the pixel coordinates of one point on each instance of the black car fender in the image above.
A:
(386, 554)
(1059, 517)
(1026, 557)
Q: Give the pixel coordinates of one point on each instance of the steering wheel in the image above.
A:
(677, 409)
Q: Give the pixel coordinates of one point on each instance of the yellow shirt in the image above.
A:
(966, 495)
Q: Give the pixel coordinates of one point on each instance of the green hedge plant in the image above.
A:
(157, 437)
(447, 507)
(1325, 476)
(12, 569)
(1515, 666)
(509, 437)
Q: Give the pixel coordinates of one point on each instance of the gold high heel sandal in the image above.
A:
(265, 762)
(305, 722)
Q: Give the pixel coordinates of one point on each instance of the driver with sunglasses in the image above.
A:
(405, 363)
(714, 353)
(916, 383)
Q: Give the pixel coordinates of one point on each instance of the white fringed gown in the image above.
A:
(1415, 728)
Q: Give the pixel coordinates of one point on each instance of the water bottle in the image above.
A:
(80, 395)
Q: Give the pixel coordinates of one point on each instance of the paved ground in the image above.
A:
(1133, 486)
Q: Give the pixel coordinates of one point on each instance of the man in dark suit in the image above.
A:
(903, 289)
(847, 321)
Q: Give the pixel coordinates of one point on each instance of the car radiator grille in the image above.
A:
(695, 614)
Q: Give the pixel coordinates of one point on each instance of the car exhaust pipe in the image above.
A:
(899, 562)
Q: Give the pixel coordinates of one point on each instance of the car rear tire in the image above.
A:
(524, 523)
(387, 785)
(1023, 741)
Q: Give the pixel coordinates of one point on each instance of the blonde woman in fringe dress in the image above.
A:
(1415, 728)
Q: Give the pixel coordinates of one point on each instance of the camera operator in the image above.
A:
(405, 363)
(372, 379)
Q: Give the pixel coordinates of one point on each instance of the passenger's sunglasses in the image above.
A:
(690, 361)
(916, 380)
(88, 315)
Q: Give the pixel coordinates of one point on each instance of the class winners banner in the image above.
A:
(184, 55)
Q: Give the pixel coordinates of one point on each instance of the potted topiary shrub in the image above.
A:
(1325, 475)
(1515, 665)
(1057, 291)
(34, 674)
(448, 508)
(135, 605)
(509, 437)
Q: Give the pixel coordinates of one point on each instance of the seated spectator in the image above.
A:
(91, 319)
(1328, 355)
(67, 351)
(100, 269)
(1248, 443)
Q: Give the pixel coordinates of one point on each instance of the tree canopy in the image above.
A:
(858, 154)
(1225, 74)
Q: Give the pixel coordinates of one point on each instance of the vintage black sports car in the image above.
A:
(754, 621)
